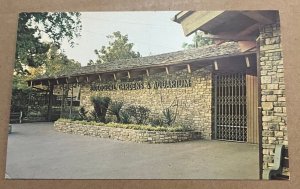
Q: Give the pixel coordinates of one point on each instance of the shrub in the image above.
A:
(124, 116)
(115, 109)
(94, 116)
(100, 107)
(169, 116)
(139, 113)
(156, 121)
(82, 113)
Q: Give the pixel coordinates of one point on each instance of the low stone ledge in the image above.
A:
(139, 136)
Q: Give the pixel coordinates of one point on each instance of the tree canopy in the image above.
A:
(198, 41)
(55, 63)
(119, 48)
(35, 28)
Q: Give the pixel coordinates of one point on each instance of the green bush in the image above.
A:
(124, 116)
(169, 116)
(115, 109)
(139, 113)
(156, 121)
(100, 107)
(82, 113)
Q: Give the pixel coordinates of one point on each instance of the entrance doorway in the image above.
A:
(230, 107)
(235, 107)
(236, 103)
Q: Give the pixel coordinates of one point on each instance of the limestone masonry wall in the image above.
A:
(139, 136)
(274, 117)
(194, 103)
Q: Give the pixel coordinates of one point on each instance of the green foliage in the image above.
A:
(124, 116)
(19, 101)
(115, 109)
(58, 63)
(100, 107)
(169, 116)
(82, 113)
(118, 48)
(156, 121)
(34, 28)
(139, 113)
(198, 41)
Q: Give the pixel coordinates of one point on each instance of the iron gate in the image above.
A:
(230, 119)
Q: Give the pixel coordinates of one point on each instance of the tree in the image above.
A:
(198, 41)
(56, 63)
(34, 28)
(118, 48)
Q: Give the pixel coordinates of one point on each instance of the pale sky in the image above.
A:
(152, 33)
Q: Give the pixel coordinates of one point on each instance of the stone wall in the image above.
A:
(274, 117)
(139, 136)
(194, 103)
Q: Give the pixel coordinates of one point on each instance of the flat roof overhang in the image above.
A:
(226, 25)
(113, 75)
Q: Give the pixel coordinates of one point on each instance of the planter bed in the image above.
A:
(124, 134)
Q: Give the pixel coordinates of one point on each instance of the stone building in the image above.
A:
(233, 90)
(259, 30)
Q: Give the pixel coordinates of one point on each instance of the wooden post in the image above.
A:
(50, 102)
(147, 72)
(247, 62)
(62, 101)
(115, 77)
(77, 80)
(99, 76)
(189, 68)
(128, 74)
(71, 103)
(216, 65)
(167, 70)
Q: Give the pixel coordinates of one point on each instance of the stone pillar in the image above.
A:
(274, 118)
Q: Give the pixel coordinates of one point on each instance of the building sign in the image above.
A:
(180, 83)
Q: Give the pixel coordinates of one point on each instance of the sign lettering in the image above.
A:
(180, 83)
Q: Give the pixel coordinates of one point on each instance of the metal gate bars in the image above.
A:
(230, 116)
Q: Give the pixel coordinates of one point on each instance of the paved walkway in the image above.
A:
(37, 151)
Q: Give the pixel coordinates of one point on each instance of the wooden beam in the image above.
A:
(254, 15)
(247, 61)
(189, 68)
(249, 30)
(147, 72)
(167, 70)
(128, 74)
(247, 45)
(197, 19)
(216, 65)
(231, 37)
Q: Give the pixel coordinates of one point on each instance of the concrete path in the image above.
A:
(37, 151)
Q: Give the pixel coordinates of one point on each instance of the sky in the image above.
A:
(152, 33)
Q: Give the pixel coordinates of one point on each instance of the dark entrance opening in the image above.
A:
(235, 100)
(230, 119)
